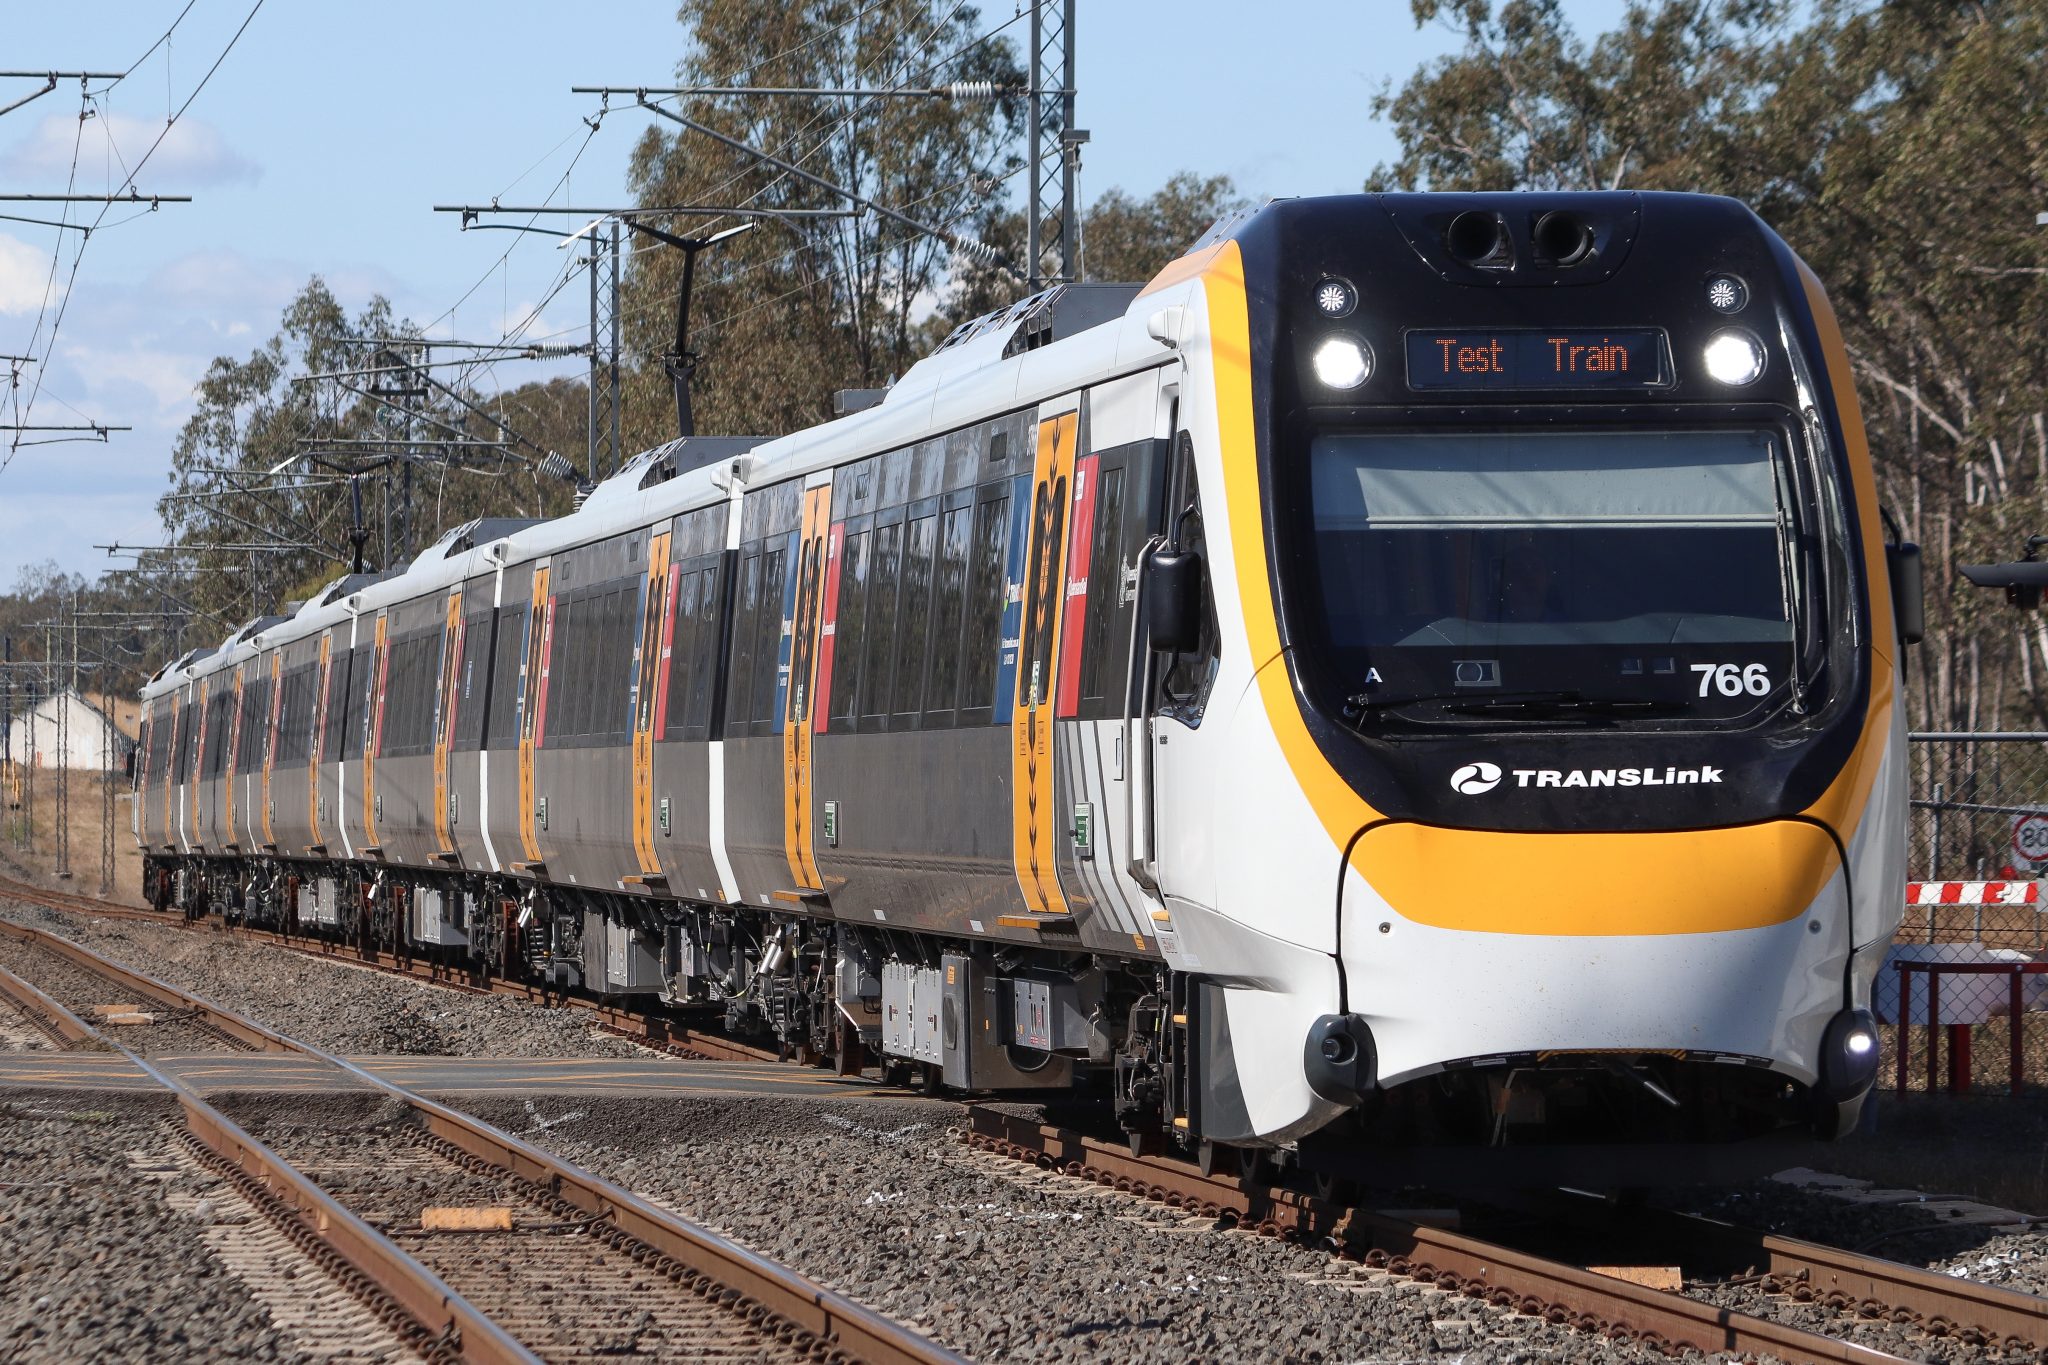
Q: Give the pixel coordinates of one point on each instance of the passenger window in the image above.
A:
(849, 628)
(879, 650)
(983, 644)
(942, 695)
(914, 633)
(502, 728)
(743, 645)
(703, 661)
(768, 644)
(1104, 647)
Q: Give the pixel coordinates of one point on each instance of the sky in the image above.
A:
(325, 135)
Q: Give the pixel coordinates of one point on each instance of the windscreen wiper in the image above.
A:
(1554, 703)
(1465, 702)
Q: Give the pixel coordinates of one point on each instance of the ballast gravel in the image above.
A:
(1912, 1233)
(995, 1260)
(94, 1262)
(346, 1009)
(1000, 1262)
(85, 993)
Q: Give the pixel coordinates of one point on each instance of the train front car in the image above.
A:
(1561, 815)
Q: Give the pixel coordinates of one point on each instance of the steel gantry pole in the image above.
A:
(1054, 152)
(612, 354)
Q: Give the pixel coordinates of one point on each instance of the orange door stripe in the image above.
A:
(445, 697)
(646, 704)
(1035, 825)
(798, 833)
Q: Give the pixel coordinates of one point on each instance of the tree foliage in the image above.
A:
(1901, 147)
(1122, 239)
(797, 308)
(267, 412)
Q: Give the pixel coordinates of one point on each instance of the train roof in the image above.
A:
(1050, 343)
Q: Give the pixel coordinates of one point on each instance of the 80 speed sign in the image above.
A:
(2030, 837)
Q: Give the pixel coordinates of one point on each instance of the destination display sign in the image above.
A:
(1536, 358)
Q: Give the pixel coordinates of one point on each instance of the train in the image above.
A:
(1414, 686)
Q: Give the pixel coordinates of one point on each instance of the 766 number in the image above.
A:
(1732, 680)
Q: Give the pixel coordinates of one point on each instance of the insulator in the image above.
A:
(977, 91)
(980, 251)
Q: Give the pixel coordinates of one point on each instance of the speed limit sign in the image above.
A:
(2030, 837)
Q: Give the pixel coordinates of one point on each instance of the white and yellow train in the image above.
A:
(1415, 684)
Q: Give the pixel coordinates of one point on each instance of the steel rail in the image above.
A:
(247, 1032)
(443, 1317)
(46, 1014)
(1978, 1313)
(650, 1030)
(856, 1331)
(1566, 1294)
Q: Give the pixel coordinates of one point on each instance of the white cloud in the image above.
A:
(109, 147)
(168, 376)
(23, 273)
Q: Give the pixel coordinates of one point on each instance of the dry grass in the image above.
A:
(28, 838)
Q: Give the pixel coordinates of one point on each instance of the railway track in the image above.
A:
(648, 1030)
(469, 1244)
(1503, 1269)
(1493, 1268)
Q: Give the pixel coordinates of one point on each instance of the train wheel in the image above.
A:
(1212, 1157)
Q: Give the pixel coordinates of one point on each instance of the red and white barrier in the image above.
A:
(1973, 893)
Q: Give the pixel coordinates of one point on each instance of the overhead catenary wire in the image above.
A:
(898, 63)
(57, 323)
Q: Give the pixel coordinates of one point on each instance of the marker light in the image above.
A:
(1727, 294)
(1335, 298)
(1342, 362)
(1734, 357)
(1859, 1043)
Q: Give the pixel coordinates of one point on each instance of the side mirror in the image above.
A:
(1173, 601)
(1909, 594)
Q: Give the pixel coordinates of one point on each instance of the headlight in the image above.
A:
(1734, 357)
(1342, 362)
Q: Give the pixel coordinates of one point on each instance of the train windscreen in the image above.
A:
(1487, 576)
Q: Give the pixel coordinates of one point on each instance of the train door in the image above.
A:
(1185, 757)
(272, 724)
(533, 696)
(650, 672)
(231, 770)
(204, 704)
(1116, 513)
(799, 834)
(330, 679)
(447, 695)
(468, 706)
(1036, 831)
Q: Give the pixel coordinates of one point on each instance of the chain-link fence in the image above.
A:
(1961, 994)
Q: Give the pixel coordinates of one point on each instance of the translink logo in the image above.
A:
(1476, 779)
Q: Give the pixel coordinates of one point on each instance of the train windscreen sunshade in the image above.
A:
(1614, 564)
